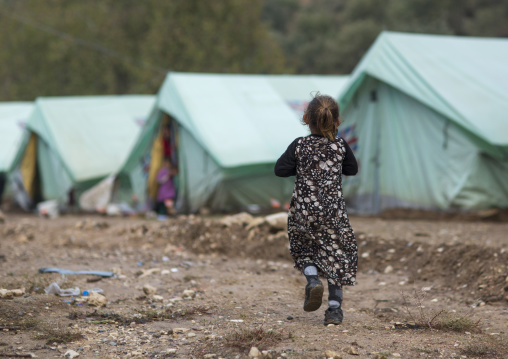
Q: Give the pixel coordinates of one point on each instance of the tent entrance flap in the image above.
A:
(155, 160)
(164, 147)
(26, 177)
(28, 166)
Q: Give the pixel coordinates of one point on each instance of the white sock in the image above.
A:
(333, 304)
(310, 270)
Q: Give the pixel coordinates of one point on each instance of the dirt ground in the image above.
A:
(427, 288)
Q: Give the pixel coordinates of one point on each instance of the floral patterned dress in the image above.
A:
(318, 226)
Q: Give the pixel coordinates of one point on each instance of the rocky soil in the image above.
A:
(212, 287)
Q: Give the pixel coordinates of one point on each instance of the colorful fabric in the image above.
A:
(318, 226)
(166, 185)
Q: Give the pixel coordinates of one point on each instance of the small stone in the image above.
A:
(191, 335)
(22, 238)
(333, 355)
(266, 354)
(207, 356)
(380, 356)
(180, 330)
(397, 355)
(97, 300)
(290, 317)
(69, 354)
(388, 270)
(176, 299)
(352, 351)
(11, 293)
(158, 298)
(188, 293)
(18, 292)
(149, 289)
(242, 219)
(254, 353)
(6, 294)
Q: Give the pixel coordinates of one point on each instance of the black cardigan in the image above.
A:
(286, 164)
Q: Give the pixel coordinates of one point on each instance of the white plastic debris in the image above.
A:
(54, 288)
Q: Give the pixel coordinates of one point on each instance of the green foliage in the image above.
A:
(74, 47)
(331, 36)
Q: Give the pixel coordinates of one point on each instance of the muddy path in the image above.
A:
(197, 287)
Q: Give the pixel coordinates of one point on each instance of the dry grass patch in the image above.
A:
(457, 323)
(245, 338)
(477, 349)
(20, 324)
(486, 347)
(56, 334)
(44, 331)
(423, 317)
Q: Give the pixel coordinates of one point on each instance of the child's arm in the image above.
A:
(286, 164)
(349, 165)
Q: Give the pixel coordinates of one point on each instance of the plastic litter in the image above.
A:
(48, 209)
(54, 288)
(95, 290)
(67, 271)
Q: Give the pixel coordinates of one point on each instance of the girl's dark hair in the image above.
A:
(323, 115)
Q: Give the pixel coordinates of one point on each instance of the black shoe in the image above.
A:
(313, 295)
(333, 316)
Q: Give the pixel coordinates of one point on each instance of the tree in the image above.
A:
(331, 36)
(75, 47)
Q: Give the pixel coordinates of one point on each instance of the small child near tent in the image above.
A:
(167, 192)
(322, 242)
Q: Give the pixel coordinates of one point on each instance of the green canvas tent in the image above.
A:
(429, 117)
(227, 132)
(13, 116)
(76, 141)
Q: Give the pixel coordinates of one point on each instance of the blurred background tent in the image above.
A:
(13, 116)
(225, 133)
(74, 142)
(429, 116)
